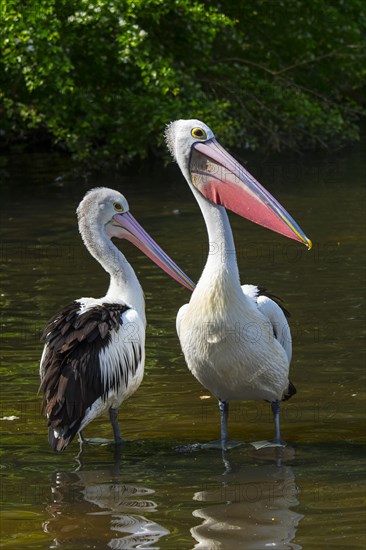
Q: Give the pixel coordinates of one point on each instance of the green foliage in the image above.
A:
(103, 77)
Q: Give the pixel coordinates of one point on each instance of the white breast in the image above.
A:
(230, 348)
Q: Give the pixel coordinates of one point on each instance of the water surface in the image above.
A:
(156, 494)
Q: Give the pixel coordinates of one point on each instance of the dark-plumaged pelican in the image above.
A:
(94, 352)
(235, 339)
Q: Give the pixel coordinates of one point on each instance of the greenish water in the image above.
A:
(156, 495)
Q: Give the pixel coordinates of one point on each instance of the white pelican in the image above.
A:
(235, 339)
(94, 354)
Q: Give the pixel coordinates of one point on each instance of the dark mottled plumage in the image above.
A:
(71, 373)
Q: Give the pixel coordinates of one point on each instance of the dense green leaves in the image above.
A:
(103, 77)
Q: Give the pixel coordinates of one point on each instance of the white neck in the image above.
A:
(124, 285)
(221, 264)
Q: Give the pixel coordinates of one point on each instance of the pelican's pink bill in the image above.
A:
(133, 232)
(225, 182)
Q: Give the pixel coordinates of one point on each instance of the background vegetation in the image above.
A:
(101, 78)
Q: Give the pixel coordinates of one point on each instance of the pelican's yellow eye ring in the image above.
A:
(118, 207)
(198, 133)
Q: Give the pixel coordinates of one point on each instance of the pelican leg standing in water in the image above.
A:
(235, 339)
(94, 354)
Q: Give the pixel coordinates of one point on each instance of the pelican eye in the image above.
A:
(198, 133)
(118, 207)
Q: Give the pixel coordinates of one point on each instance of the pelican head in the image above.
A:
(212, 171)
(108, 210)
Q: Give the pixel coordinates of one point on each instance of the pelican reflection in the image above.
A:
(252, 509)
(95, 507)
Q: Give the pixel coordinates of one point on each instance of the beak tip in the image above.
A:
(309, 244)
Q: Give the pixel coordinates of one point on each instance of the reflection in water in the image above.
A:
(256, 513)
(89, 507)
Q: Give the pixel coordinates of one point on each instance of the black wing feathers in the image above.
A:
(71, 372)
(291, 390)
(262, 291)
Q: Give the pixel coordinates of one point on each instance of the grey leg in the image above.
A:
(224, 414)
(113, 416)
(276, 417)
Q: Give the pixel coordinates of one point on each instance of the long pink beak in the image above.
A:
(223, 181)
(129, 228)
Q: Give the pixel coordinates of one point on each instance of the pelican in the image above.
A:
(94, 352)
(235, 339)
